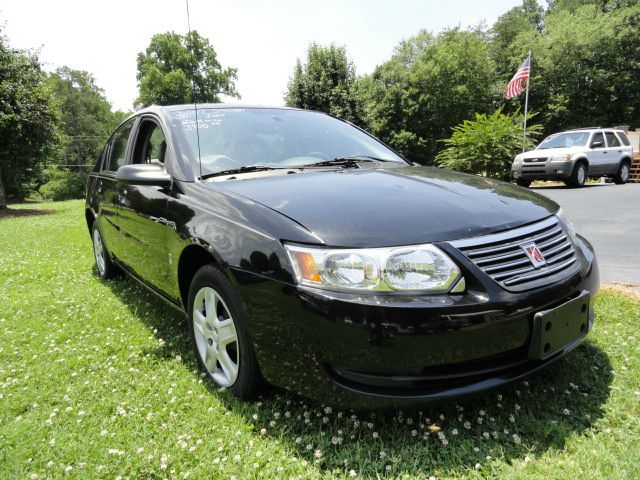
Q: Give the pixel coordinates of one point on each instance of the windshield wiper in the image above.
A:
(348, 162)
(244, 169)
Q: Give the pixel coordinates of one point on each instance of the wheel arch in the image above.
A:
(193, 257)
(582, 160)
(90, 218)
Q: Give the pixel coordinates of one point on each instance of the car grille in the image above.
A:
(535, 160)
(502, 256)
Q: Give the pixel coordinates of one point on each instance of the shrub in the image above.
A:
(63, 184)
(487, 145)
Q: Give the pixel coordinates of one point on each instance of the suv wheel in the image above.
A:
(578, 176)
(523, 183)
(622, 176)
(220, 336)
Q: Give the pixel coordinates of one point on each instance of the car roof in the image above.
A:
(191, 106)
(592, 129)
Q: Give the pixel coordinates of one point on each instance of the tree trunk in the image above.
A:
(3, 196)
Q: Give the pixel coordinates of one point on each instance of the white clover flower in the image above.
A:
(352, 473)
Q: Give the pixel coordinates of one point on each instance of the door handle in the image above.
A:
(605, 152)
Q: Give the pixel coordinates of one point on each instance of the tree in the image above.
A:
(585, 65)
(327, 83)
(86, 119)
(429, 85)
(487, 145)
(27, 121)
(178, 69)
(524, 18)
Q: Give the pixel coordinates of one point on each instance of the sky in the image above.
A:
(262, 39)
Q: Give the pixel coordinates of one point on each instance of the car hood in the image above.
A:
(393, 206)
(550, 152)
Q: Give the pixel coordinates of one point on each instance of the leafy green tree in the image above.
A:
(178, 69)
(326, 82)
(429, 85)
(487, 144)
(585, 66)
(62, 184)
(86, 119)
(28, 130)
(526, 17)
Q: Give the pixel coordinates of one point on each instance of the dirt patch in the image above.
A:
(624, 288)
(22, 212)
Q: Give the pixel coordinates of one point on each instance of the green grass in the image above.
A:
(97, 380)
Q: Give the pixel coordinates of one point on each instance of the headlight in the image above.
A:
(420, 267)
(570, 227)
(517, 160)
(561, 158)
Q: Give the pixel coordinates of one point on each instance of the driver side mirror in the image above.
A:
(143, 174)
(596, 144)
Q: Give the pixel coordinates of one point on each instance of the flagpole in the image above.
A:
(526, 104)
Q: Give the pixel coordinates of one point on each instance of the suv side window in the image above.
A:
(598, 137)
(623, 138)
(151, 145)
(612, 140)
(118, 147)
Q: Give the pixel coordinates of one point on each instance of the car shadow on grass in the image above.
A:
(513, 424)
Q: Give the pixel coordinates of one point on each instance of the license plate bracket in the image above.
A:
(557, 327)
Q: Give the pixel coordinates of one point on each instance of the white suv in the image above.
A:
(574, 155)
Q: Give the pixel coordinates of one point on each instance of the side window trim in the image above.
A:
(593, 139)
(133, 122)
(133, 140)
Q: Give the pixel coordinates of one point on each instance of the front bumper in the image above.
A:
(390, 351)
(542, 170)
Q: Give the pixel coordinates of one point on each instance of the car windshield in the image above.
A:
(565, 140)
(232, 138)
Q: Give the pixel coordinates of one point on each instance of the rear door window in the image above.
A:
(612, 140)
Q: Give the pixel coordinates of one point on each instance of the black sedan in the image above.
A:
(309, 255)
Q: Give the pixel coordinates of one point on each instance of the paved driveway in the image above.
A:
(608, 215)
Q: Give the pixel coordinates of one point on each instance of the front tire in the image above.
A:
(220, 335)
(578, 176)
(523, 183)
(622, 175)
(106, 268)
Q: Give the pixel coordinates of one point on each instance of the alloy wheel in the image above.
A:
(624, 172)
(216, 337)
(98, 251)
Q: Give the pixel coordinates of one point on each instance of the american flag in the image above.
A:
(516, 86)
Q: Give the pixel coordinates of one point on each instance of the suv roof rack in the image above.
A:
(588, 128)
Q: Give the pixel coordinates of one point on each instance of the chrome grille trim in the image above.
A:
(502, 257)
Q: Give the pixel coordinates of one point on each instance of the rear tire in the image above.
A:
(578, 176)
(106, 268)
(622, 175)
(523, 183)
(220, 334)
